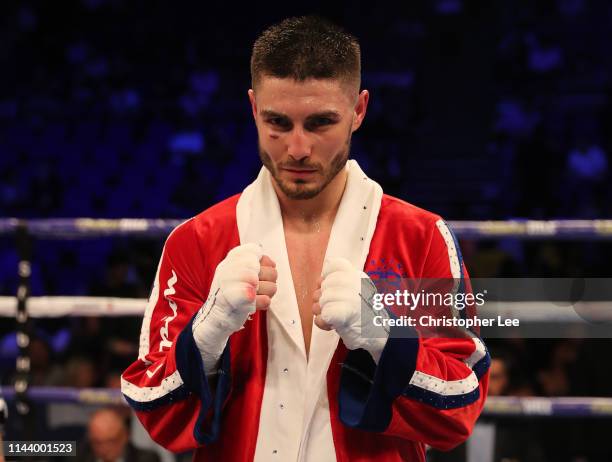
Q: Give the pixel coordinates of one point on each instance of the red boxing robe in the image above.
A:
(423, 391)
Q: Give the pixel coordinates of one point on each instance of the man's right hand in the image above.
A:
(267, 283)
(244, 281)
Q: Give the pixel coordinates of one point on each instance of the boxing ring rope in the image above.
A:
(495, 406)
(57, 306)
(78, 228)
(22, 307)
(52, 307)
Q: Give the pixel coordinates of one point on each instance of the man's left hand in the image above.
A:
(337, 305)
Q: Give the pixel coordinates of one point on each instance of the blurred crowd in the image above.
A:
(479, 110)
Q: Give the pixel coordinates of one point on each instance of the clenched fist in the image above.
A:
(338, 305)
(243, 282)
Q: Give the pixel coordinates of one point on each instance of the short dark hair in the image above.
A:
(306, 47)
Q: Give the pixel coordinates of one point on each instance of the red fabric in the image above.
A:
(404, 233)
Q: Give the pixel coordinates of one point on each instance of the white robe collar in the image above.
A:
(259, 220)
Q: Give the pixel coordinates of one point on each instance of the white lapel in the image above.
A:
(350, 238)
(259, 220)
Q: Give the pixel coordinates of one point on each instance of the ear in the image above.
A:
(361, 107)
(253, 103)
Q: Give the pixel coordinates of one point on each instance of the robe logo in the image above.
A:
(388, 268)
(150, 374)
(163, 332)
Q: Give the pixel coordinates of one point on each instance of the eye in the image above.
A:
(320, 122)
(279, 122)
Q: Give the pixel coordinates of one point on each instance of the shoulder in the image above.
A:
(414, 223)
(212, 231)
(219, 218)
(422, 239)
(403, 216)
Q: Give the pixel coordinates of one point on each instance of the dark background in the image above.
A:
(479, 110)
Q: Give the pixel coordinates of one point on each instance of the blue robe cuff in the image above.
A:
(367, 391)
(191, 367)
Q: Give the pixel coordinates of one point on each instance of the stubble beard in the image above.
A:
(300, 189)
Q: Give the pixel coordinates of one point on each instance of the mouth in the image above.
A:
(300, 172)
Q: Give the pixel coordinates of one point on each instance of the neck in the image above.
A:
(302, 213)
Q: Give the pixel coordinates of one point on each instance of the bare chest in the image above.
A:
(306, 253)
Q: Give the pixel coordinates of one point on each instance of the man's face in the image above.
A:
(304, 130)
(108, 437)
(498, 382)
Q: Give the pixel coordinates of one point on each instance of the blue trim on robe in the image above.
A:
(461, 286)
(177, 394)
(191, 368)
(440, 401)
(367, 392)
(482, 366)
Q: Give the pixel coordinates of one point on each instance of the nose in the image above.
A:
(299, 145)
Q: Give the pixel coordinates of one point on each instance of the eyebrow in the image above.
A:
(328, 114)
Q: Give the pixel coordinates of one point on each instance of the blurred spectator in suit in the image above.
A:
(499, 380)
(108, 440)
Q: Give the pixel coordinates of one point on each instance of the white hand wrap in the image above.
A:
(341, 307)
(230, 301)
